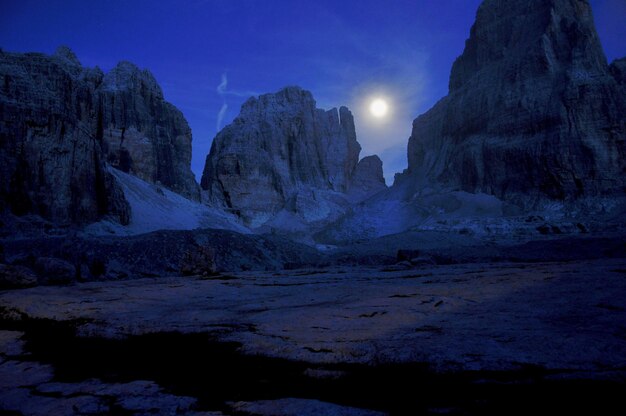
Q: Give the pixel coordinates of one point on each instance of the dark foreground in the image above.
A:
(511, 338)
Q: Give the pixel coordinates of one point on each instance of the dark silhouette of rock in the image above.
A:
(51, 161)
(278, 153)
(199, 260)
(367, 178)
(55, 271)
(533, 113)
(15, 276)
(618, 70)
(61, 123)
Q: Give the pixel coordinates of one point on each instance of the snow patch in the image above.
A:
(156, 208)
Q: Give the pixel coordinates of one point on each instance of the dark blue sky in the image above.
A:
(342, 51)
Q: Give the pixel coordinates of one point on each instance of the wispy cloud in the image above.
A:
(223, 92)
(221, 89)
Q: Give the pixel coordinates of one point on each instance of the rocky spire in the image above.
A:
(279, 146)
(533, 111)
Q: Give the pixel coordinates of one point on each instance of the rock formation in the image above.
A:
(51, 161)
(142, 133)
(61, 123)
(367, 178)
(534, 113)
(278, 153)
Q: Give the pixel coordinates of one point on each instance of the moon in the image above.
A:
(379, 108)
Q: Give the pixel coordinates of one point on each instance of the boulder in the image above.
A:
(14, 277)
(199, 260)
(55, 271)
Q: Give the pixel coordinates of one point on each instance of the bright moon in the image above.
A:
(379, 108)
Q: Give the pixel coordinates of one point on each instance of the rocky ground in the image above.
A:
(457, 339)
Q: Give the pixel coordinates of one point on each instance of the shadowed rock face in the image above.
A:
(279, 146)
(533, 112)
(61, 123)
(142, 133)
(367, 178)
(51, 160)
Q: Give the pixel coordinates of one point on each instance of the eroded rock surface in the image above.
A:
(533, 112)
(61, 123)
(51, 160)
(367, 179)
(282, 153)
(566, 317)
(142, 133)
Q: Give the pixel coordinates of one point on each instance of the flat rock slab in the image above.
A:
(299, 407)
(559, 316)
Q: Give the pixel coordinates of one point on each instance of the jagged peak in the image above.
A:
(127, 75)
(285, 99)
(551, 34)
(65, 53)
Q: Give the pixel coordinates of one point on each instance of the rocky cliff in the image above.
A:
(142, 133)
(279, 153)
(534, 112)
(51, 160)
(367, 178)
(60, 124)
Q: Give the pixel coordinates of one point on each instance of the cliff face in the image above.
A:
(367, 178)
(51, 162)
(60, 124)
(279, 150)
(534, 112)
(142, 133)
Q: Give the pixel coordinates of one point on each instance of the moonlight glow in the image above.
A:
(379, 108)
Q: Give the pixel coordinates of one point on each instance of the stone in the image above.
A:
(199, 260)
(299, 407)
(618, 70)
(407, 255)
(282, 151)
(534, 114)
(142, 133)
(14, 276)
(367, 179)
(161, 253)
(55, 271)
(60, 126)
(11, 343)
(23, 374)
(51, 161)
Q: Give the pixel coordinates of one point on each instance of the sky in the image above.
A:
(209, 56)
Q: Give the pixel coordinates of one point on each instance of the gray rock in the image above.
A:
(533, 113)
(12, 277)
(279, 147)
(367, 179)
(51, 162)
(199, 260)
(23, 374)
(618, 70)
(55, 271)
(11, 343)
(61, 123)
(165, 253)
(142, 133)
(299, 407)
